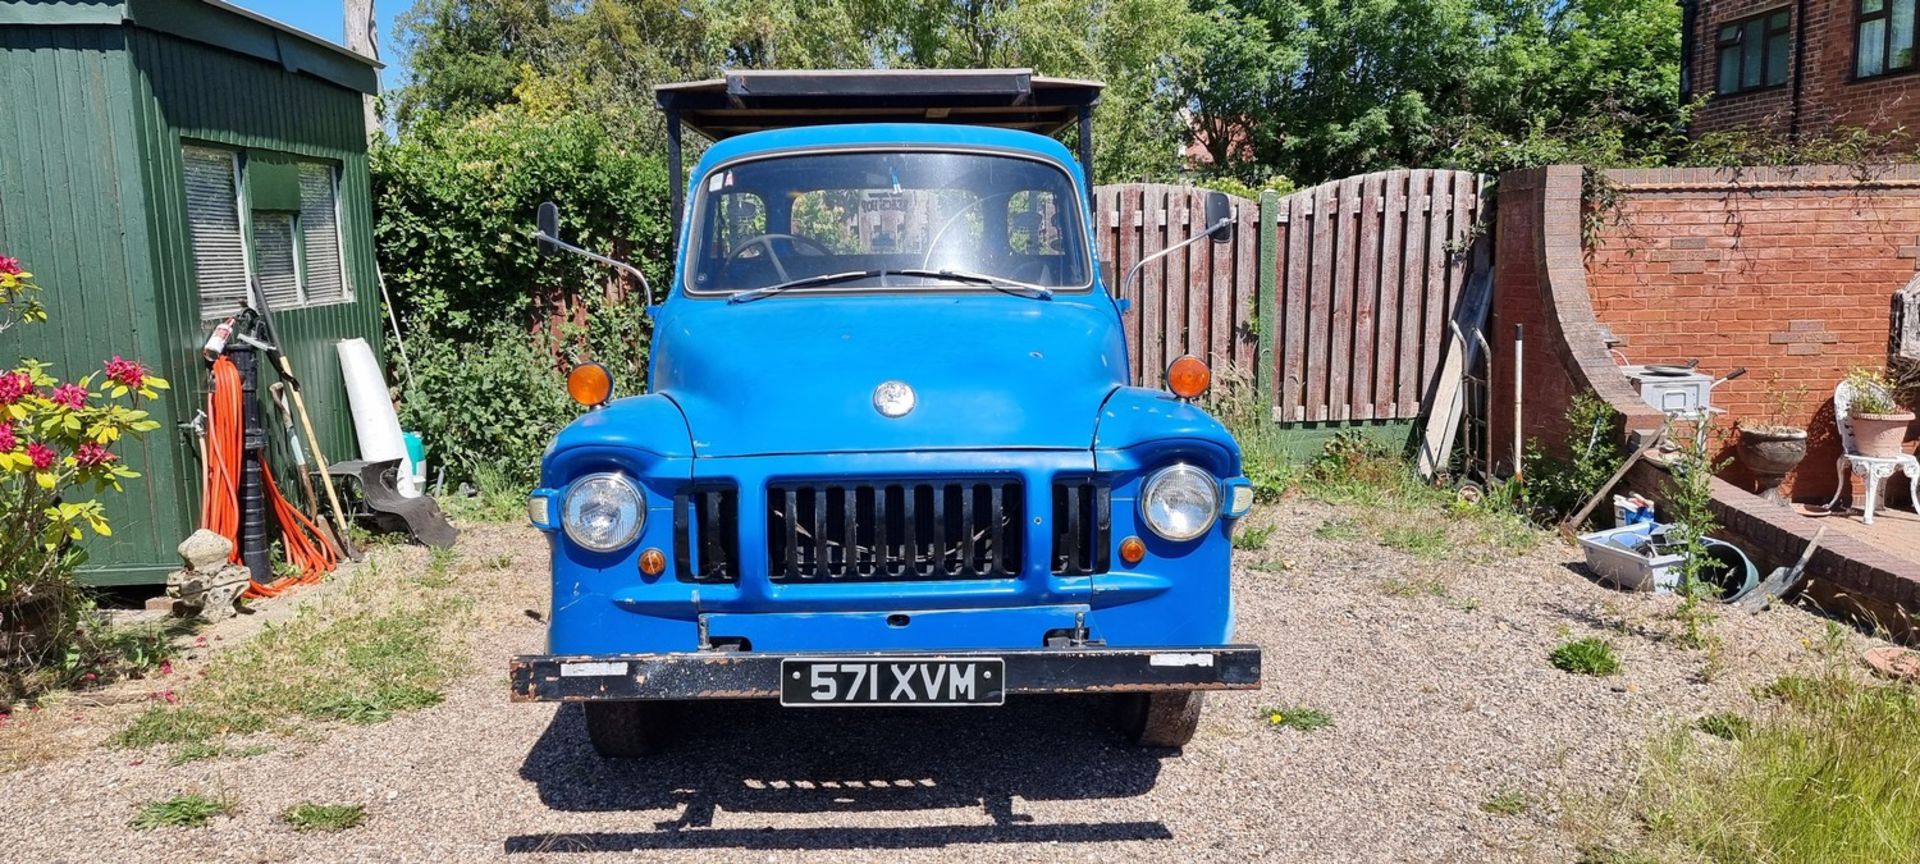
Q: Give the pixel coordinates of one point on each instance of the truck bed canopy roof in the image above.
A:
(751, 101)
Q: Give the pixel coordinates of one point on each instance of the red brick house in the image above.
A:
(1802, 66)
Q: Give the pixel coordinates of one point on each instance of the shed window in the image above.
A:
(1752, 53)
(265, 216)
(1883, 38)
(214, 227)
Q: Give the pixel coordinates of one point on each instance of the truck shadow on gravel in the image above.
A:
(757, 758)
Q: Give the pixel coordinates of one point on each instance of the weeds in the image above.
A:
(1826, 775)
(1725, 725)
(1512, 802)
(1251, 539)
(324, 817)
(1413, 586)
(1589, 656)
(1238, 404)
(1298, 718)
(1423, 541)
(1339, 528)
(190, 810)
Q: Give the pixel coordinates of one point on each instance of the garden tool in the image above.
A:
(285, 368)
(279, 390)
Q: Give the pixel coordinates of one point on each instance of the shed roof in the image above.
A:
(752, 101)
(214, 22)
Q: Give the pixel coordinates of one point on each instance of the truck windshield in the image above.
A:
(892, 221)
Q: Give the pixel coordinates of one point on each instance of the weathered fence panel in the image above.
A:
(1359, 276)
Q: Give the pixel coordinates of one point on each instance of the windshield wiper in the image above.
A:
(1011, 286)
(1023, 289)
(823, 279)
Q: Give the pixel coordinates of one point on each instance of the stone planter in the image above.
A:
(1880, 435)
(1770, 452)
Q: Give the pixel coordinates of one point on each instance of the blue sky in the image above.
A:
(327, 20)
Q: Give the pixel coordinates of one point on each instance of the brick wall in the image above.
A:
(1823, 67)
(1790, 273)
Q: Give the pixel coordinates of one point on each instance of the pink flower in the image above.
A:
(128, 372)
(9, 266)
(93, 454)
(14, 386)
(8, 440)
(42, 456)
(73, 396)
(166, 667)
(90, 677)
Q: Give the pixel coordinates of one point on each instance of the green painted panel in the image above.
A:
(272, 183)
(91, 198)
(73, 209)
(1303, 441)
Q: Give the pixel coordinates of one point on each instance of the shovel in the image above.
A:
(1780, 581)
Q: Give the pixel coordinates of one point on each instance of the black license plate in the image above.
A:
(893, 681)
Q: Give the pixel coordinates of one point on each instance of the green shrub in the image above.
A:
(191, 810)
(1555, 487)
(491, 324)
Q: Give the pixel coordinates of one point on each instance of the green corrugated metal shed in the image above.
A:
(96, 102)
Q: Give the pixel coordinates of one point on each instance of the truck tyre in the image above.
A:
(621, 730)
(1166, 719)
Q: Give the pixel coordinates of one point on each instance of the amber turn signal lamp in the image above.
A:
(590, 384)
(1132, 550)
(653, 562)
(1188, 377)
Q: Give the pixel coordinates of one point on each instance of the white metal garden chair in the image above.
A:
(1874, 469)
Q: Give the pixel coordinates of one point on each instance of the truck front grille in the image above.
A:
(899, 530)
(706, 534)
(1082, 526)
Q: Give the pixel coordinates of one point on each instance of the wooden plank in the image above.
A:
(1366, 288)
(1466, 186)
(1200, 296)
(1293, 299)
(1320, 301)
(1413, 292)
(1173, 277)
(1271, 246)
(1220, 290)
(1126, 251)
(1345, 260)
(1386, 352)
(1248, 242)
(1433, 331)
(1153, 230)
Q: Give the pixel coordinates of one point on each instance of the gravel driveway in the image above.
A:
(1439, 690)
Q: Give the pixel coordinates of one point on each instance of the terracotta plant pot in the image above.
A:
(1880, 435)
(1770, 452)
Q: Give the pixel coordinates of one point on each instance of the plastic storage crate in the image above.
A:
(1633, 557)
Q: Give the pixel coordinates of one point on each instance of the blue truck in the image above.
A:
(888, 452)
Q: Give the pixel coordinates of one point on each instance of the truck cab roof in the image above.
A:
(754, 101)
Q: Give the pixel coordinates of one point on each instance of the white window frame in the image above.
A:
(237, 158)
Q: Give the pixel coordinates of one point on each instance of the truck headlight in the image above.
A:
(603, 512)
(1180, 502)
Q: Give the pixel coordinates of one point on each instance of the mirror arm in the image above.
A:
(622, 266)
(1135, 269)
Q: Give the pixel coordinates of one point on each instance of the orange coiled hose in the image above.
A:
(220, 497)
(220, 503)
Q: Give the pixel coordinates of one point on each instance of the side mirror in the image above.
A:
(547, 223)
(1220, 215)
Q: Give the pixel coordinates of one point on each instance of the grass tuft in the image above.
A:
(1726, 725)
(324, 817)
(1298, 718)
(1251, 539)
(190, 810)
(1512, 802)
(1589, 656)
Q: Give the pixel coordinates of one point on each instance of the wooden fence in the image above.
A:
(1335, 300)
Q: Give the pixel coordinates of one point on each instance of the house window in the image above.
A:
(266, 217)
(214, 227)
(1753, 52)
(1883, 38)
